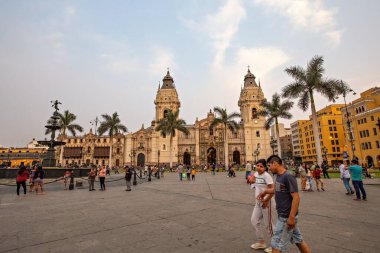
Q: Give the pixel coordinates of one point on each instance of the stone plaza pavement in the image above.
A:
(211, 214)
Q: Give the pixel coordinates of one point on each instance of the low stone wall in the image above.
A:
(49, 172)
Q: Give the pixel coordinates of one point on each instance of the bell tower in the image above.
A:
(257, 137)
(167, 97)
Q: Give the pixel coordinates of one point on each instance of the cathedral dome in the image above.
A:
(168, 81)
(249, 79)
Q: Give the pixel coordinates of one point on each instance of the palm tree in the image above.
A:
(168, 125)
(306, 83)
(274, 110)
(111, 123)
(227, 121)
(65, 121)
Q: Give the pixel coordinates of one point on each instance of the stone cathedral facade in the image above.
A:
(201, 146)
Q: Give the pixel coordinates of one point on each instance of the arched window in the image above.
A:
(211, 131)
(257, 133)
(165, 113)
(254, 113)
(118, 151)
(164, 147)
(89, 150)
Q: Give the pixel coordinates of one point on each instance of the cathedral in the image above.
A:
(202, 146)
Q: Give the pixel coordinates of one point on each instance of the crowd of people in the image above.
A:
(276, 192)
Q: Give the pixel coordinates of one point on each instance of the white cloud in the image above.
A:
(261, 60)
(221, 28)
(162, 58)
(68, 14)
(308, 14)
(335, 36)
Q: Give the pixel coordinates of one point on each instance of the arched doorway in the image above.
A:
(117, 162)
(88, 162)
(187, 158)
(370, 161)
(211, 155)
(140, 160)
(236, 157)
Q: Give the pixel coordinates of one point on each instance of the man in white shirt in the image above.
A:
(345, 176)
(263, 210)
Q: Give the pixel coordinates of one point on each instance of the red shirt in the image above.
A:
(317, 173)
(23, 177)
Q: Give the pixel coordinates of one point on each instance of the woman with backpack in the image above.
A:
(22, 176)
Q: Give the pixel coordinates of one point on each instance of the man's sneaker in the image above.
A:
(258, 245)
(268, 250)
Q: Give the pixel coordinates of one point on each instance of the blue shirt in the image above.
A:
(356, 172)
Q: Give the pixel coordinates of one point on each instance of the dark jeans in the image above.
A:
(359, 185)
(325, 174)
(102, 185)
(19, 185)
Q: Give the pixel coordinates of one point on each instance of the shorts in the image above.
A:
(317, 178)
(282, 236)
(39, 181)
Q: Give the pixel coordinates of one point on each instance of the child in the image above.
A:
(317, 177)
(66, 176)
(193, 172)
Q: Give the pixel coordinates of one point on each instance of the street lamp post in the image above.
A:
(95, 122)
(257, 152)
(272, 145)
(348, 120)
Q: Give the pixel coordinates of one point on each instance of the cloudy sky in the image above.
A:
(104, 56)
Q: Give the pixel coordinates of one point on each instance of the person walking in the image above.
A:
(102, 178)
(66, 177)
(345, 177)
(248, 169)
(193, 173)
(128, 177)
(31, 178)
(188, 172)
(317, 177)
(357, 179)
(108, 171)
(287, 205)
(302, 173)
(180, 171)
(39, 176)
(309, 181)
(325, 168)
(264, 209)
(22, 176)
(91, 179)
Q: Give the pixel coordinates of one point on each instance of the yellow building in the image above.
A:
(364, 116)
(331, 134)
(14, 157)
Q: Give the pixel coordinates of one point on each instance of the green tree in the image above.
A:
(306, 83)
(273, 110)
(66, 122)
(228, 122)
(168, 125)
(112, 125)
